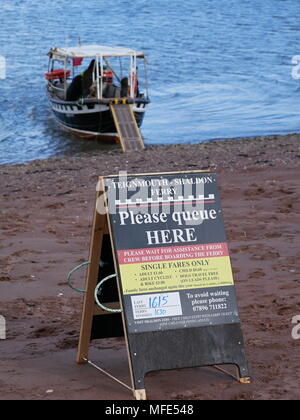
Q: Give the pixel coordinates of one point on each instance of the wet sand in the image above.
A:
(45, 219)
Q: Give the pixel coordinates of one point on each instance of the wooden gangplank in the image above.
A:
(127, 128)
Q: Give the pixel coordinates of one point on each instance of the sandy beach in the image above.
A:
(45, 220)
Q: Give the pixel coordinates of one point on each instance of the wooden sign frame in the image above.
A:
(152, 350)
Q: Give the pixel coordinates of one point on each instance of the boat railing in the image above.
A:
(56, 87)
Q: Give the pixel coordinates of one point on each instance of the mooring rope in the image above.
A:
(98, 288)
(71, 272)
(98, 292)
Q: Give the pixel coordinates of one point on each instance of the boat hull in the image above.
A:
(91, 120)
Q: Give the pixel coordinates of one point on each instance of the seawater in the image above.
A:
(217, 68)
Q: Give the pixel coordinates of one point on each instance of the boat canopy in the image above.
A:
(90, 51)
(101, 54)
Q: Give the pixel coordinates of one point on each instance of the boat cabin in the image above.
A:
(96, 72)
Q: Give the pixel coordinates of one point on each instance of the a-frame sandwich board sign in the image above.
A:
(163, 234)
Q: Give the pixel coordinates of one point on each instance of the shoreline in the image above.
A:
(46, 216)
(245, 144)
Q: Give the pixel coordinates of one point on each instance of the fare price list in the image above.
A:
(184, 273)
(153, 278)
(176, 275)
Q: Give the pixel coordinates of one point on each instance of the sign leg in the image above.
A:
(242, 374)
(91, 283)
(246, 380)
(140, 394)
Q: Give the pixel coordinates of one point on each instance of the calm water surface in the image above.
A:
(218, 68)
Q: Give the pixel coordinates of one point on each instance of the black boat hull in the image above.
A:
(88, 119)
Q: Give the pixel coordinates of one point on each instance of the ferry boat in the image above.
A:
(83, 81)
